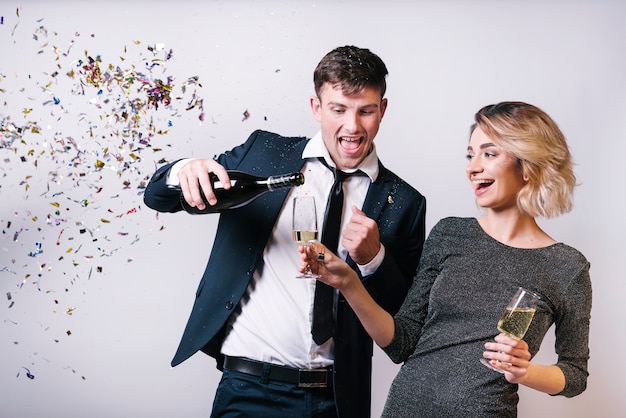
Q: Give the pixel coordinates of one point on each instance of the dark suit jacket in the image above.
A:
(241, 238)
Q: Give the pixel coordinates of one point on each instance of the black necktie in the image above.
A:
(323, 322)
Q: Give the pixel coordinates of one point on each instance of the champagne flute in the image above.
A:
(304, 229)
(516, 317)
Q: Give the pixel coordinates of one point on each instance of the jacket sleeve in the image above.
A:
(163, 198)
(159, 196)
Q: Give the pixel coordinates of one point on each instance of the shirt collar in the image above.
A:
(316, 148)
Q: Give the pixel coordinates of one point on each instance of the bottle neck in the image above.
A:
(287, 180)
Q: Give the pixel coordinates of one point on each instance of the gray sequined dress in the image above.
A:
(464, 281)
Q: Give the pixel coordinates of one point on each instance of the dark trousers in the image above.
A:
(241, 395)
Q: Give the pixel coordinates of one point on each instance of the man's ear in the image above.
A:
(383, 107)
(316, 107)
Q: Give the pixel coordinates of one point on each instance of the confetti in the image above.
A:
(37, 251)
(78, 141)
(28, 374)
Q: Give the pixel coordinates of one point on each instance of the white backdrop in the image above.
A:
(98, 287)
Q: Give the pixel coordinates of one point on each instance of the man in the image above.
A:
(251, 313)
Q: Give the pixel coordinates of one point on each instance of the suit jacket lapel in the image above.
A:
(379, 195)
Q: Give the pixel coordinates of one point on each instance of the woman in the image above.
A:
(519, 167)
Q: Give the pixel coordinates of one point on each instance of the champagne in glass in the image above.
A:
(304, 237)
(515, 322)
(304, 228)
(517, 317)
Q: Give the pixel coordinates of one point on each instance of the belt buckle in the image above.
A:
(317, 372)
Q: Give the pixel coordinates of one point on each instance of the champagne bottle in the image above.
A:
(244, 189)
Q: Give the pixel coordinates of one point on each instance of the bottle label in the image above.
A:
(218, 184)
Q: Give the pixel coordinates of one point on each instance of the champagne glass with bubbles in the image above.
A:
(304, 228)
(516, 317)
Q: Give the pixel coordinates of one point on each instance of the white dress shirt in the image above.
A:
(273, 321)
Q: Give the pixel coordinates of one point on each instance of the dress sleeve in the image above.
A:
(572, 332)
(411, 316)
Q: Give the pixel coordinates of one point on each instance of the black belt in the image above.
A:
(304, 378)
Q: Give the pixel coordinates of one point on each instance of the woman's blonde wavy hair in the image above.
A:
(530, 135)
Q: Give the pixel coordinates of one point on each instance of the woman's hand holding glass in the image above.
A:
(329, 268)
(509, 353)
(509, 356)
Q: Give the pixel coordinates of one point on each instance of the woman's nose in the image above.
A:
(473, 166)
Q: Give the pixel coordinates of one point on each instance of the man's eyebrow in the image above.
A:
(360, 107)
